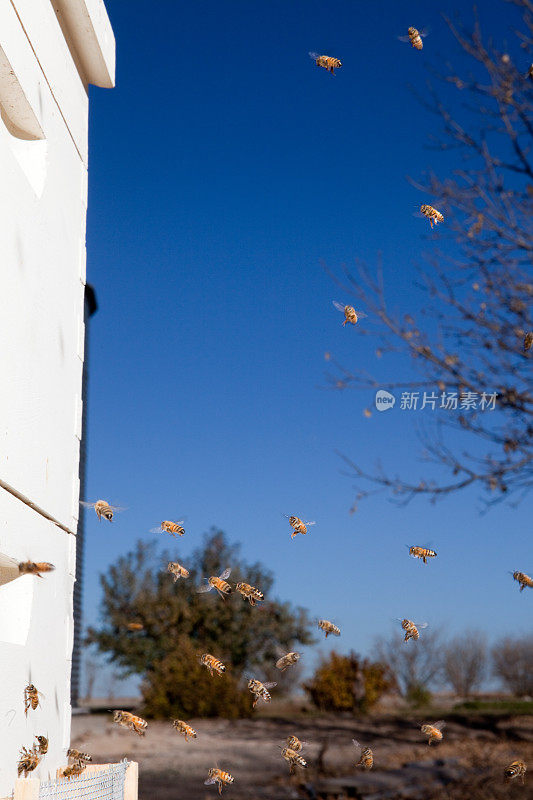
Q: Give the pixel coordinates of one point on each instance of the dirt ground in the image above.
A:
(467, 764)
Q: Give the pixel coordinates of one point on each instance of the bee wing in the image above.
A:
(440, 724)
(156, 530)
(225, 574)
(206, 588)
(338, 306)
(87, 504)
(361, 314)
(424, 32)
(209, 781)
(270, 684)
(421, 624)
(404, 38)
(118, 508)
(309, 523)
(356, 743)
(314, 56)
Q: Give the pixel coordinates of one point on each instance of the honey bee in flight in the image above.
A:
(102, 509)
(367, 756)
(298, 525)
(432, 214)
(184, 729)
(220, 584)
(219, 777)
(517, 769)
(294, 758)
(528, 341)
(35, 568)
(31, 698)
(212, 664)
(422, 552)
(135, 626)
(350, 314)
(530, 73)
(523, 579)
(42, 745)
(77, 755)
(28, 761)
(260, 690)
(73, 770)
(411, 628)
(177, 570)
(167, 526)
(130, 721)
(287, 661)
(250, 593)
(434, 732)
(327, 62)
(328, 627)
(293, 743)
(415, 37)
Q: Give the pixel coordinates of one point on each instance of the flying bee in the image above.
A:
(250, 593)
(168, 526)
(298, 525)
(220, 584)
(517, 769)
(523, 579)
(35, 568)
(73, 770)
(130, 721)
(350, 314)
(184, 729)
(415, 37)
(328, 627)
(177, 570)
(287, 660)
(260, 690)
(367, 756)
(212, 664)
(28, 761)
(219, 777)
(77, 755)
(411, 628)
(327, 62)
(294, 758)
(432, 214)
(31, 698)
(422, 552)
(135, 626)
(293, 743)
(530, 73)
(102, 509)
(434, 732)
(42, 745)
(528, 341)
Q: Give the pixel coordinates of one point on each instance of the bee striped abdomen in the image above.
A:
(523, 579)
(328, 627)
(212, 663)
(252, 594)
(184, 729)
(517, 769)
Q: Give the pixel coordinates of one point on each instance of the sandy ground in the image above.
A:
(170, 767)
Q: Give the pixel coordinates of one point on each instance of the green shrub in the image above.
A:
(417, 695)
(345, 683)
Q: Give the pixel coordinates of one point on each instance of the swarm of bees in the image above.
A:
(327, 62)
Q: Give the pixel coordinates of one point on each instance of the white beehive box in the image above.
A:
(50, 50)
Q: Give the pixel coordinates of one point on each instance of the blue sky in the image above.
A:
(224, 168)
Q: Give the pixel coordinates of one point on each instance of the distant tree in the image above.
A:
(414, 665)
(512, 660)
(467, 336)
(347, 683)
(179, 624)
(465, 662)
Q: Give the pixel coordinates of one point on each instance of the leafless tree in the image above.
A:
(512, 660)
(465, 662)
(415, 665)
(469, 335)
